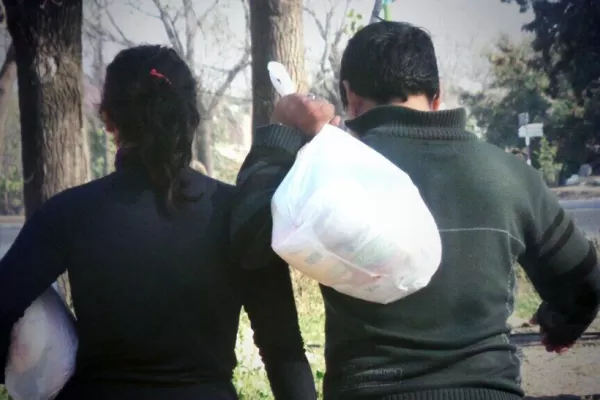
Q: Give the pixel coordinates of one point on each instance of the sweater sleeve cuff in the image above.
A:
(280, 137)
(292, 380)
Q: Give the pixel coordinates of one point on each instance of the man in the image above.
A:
(450, 339)
(518, 153)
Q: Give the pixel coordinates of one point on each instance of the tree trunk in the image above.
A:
(47, 39)
(48, 50)
(8, 76)
(276, 28)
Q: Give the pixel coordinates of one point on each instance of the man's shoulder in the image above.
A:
(475, 148)
(513, 162)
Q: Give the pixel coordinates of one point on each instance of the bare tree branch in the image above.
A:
(114, 24)
(202, 19)
(169, 28)
(242, 64)
(176, 17)
(340, 31)
(322, 31)
(328, 17)
(92, 31)
(377, 7)
(136, 6)
(191, 29)
(173, 19)
(332, 93)
(231, 75)
(330, 59)
(332, 38)
(92, 28)
(246, 6)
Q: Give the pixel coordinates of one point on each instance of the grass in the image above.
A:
(250, 378)
(527, 299)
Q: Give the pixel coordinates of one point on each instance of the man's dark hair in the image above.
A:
(390, 60)
(150, 96)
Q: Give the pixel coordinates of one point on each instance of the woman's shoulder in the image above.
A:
(209, 183)
(83, 191)
(70, 203)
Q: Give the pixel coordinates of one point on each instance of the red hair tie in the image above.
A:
(157, 74)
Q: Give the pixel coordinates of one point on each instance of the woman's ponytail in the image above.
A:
(150, 97)
(166, 145)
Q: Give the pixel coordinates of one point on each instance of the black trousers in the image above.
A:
(79, 390)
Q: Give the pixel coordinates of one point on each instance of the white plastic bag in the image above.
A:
(347, 217)
(43, 349)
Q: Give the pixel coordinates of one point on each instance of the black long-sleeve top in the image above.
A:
(157, 298)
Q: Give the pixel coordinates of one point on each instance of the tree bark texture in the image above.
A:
(48, 51)
(8, 76)
(276, 28)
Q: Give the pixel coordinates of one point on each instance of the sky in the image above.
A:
(461, 29)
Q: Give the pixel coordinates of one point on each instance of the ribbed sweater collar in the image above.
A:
(127, 157)
(413, 124)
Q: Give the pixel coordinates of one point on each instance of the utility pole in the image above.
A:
(528, 131)
(524, 120)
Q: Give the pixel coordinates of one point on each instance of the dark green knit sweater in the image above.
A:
(449, 340)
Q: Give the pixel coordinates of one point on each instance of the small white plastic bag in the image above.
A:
(43, 349)
(349, 218)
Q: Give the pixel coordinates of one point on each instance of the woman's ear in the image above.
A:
(109, 126)
(346, 87)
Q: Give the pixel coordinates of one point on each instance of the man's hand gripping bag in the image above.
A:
(347, 217)
(43, 349)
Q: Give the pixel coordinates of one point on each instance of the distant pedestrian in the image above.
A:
(519, 153)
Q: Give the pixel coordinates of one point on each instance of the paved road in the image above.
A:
(586, 214)
(8, 233)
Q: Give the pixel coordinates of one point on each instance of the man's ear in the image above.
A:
(436, 102)
(346, 87)
(354, 102)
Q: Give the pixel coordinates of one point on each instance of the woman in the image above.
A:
(156, 296)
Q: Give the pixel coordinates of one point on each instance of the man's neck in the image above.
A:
(415, 124)
(419, 103)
